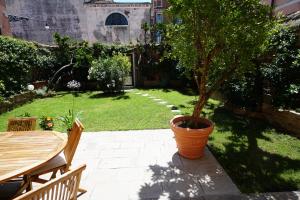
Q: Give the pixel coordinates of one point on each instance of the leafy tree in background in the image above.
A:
(283, 73)
(277, 73)
(215, 39)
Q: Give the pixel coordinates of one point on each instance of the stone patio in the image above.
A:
(145, 165)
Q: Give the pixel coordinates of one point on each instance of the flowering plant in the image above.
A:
(46, 123)
(73, 85)
(68, 119)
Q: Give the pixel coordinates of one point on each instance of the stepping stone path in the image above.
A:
(163, 102)
(173, 108)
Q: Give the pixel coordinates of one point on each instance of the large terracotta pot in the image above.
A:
(191, 142)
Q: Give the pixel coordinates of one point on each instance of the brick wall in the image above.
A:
(4, 23)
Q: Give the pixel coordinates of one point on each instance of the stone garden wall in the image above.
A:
(16, 100)
(286, 120)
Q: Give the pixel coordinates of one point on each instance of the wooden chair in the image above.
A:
(62, 188)
(63, 161)
(21, 124)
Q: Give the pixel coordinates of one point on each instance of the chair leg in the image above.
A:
(54, 174)
(29, 183)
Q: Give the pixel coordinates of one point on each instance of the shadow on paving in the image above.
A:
(252, 168)
(172, 182)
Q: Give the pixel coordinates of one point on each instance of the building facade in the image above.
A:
(4, 23)
(92, 20)
(116, 22)
(285, 7)
(158, 16)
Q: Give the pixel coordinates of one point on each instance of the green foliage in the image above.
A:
(2, 87)
(69, 50)
(83, 55)
(25, 114)
(68, 120)
(17, 58)
(110, 72)
(63, 53)
(217, 38)
(280, 76)
(283, 73)
(102, 50)
(46, 123)
(146, 27)
(244, 91)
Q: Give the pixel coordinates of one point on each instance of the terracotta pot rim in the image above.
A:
(179, 118)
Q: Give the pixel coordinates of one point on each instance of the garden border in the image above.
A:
(16, 100)
(286, 120)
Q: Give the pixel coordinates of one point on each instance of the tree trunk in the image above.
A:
(198, 108)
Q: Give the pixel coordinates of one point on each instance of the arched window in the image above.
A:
(116, 19)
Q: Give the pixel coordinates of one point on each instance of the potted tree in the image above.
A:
(212, 39)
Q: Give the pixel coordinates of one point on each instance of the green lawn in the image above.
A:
(99, 112)
(257, 157)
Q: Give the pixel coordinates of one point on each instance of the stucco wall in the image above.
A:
(61, 16)
(98, 31)
(76, 19)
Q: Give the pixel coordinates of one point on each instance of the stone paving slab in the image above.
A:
(145, 165)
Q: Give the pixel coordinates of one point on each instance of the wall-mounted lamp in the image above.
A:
(47, 27)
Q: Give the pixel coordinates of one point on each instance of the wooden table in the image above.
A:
(23, 152)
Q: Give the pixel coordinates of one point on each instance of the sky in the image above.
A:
(132, 0)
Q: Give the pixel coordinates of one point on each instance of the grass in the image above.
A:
(256, 156)
(99, 112)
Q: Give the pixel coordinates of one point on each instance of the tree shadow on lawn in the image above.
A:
(184, 91)
(115, 96)
(252, 168)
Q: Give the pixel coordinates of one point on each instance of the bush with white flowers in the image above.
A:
(110, 72)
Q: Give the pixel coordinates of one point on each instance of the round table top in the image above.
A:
(24, 151)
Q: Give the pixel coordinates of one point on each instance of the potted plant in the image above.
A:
(68, 119)
(46, 123)
(212, 40)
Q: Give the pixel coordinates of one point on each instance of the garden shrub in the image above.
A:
(73, 60)
(283, 73)
(103, 50)
(278, 74)
(45, 64)
(17, 58)
(110, 72)
(244, 91)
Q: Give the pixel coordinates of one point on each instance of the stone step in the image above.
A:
(261, 196)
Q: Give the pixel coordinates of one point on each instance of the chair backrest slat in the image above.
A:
(73, 140)
(21, 124)
(61, 188)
